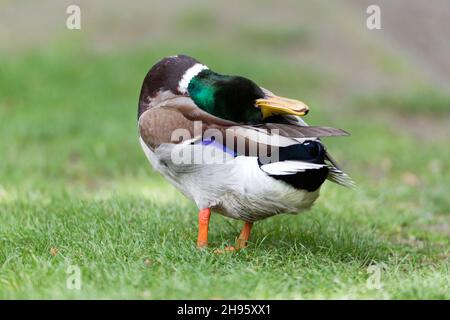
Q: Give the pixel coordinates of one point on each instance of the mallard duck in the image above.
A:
(230, 145)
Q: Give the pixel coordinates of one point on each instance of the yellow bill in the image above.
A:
(274, 105)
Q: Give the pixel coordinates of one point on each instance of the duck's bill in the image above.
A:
(274, 105)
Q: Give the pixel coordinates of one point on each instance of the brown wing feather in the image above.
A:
(295, 131)
(156, 126)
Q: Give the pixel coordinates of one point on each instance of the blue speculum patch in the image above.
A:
(220, 146)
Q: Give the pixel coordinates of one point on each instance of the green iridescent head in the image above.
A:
(233, 98)
(227, 97)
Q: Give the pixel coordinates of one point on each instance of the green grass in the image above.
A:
(73, 177)
(276, 37)
(423, 100)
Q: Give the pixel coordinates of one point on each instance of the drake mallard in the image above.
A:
(230, 145)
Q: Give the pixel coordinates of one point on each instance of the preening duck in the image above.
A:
(230, 145)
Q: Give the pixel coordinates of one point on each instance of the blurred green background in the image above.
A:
(76, 189)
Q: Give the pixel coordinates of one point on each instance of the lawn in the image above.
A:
(76, 189)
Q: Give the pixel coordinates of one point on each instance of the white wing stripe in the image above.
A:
(289, 167)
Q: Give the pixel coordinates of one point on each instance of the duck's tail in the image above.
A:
(336, 175)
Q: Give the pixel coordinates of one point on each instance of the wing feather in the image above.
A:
(289, 167)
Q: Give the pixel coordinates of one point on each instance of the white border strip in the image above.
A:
(188, 75)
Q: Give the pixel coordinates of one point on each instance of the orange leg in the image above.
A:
(203, 223)
(245, 234)
(242, 240)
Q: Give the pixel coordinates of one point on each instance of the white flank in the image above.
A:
(289, 167)
(188, 75)
(236, 188)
